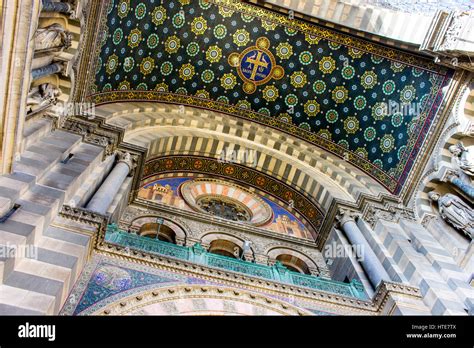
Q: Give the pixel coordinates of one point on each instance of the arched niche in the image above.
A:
(209, 238)
(295, 259)
(171, 230)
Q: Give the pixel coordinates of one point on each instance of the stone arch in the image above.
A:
(168, 129)
(180, 232)
(208, 237)
(199, 300)
(274, 252)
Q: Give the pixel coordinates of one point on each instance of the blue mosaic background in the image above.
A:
(336, 91)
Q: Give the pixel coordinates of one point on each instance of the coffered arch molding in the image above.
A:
(176, 129)
(198, 300)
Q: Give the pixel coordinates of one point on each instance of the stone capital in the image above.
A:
(127, 158)
(345, 215)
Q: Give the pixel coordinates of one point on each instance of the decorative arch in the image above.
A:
(274, 252)
(179, 231)
(208, 237)
(199, 300)
(165, 129)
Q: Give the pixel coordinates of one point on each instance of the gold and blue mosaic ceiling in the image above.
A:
(371, 105)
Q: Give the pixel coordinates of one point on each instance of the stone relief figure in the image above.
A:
(53, 36)
(42, 95)
(463, 158)
(455, 212)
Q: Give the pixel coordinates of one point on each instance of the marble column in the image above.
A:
(54, 6)
(454, 179)
(370, 263)
(46, 70)
(106, 193)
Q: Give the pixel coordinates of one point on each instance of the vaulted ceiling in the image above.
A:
(320, 85)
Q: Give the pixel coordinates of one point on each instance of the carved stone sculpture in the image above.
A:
(53, 36)
(42, 95)
(455, 212)
(463, 158)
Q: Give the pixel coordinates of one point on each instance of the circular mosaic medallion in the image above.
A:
(401, 152)
(319, 87)
(123, 8)
(348, 72)
(291, 100)
(387, 143)
(312, 39)
(397, 119)
(340, 94)
(311, 108)
(332, 116)
(112, 63)
(370, 133)
(241, 37)
(172, 44)
(202, 93)
(379, 110)
(223, 99)
(284, 50)
(334, 45)
(244, 104)
(207, 76)
(305, 57)
(360, 102)
(343, 143)
(147, 65)
(388, 87)
(140, 11)
(407, 94)
(327, 65)
(298, 79)
(192, 49)
(213, 54)
(117, 37)
(270, 93)
(134, 38)
(268, 25)
(158, 15)
(325, 134)
(199, 26)
(368, 79)
(186, 72)
(161, 87)
(376, 59)
(351, 125)
(220, 31)
(397, 66)
(152, 41)
(178, 20)
(228, 81)
(166, 68)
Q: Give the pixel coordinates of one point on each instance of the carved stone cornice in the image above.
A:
(368, 207)
(94, 131)
(386, 289)
(84, 216)
(427, 218)
(388, 213)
